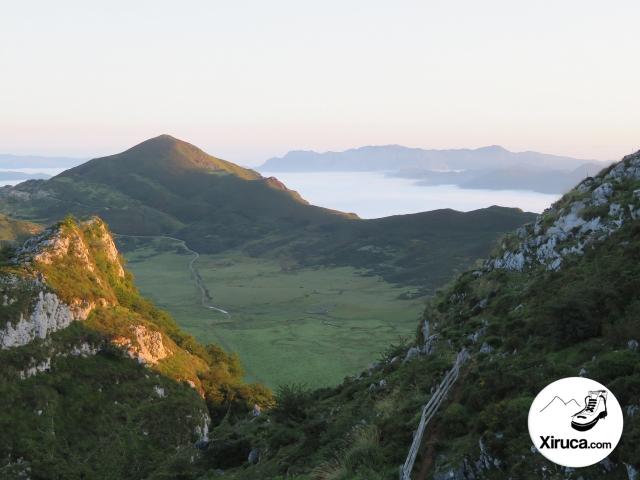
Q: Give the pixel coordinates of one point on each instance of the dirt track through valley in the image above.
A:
(205, 296)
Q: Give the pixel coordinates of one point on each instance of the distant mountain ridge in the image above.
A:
(493, 167)
(11, 175)
(398, 157)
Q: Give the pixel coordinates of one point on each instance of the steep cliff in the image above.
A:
(94, 380)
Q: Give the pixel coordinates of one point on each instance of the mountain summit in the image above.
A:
(159, 156)
(165, 186)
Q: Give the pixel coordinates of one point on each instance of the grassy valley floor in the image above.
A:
(312, 326)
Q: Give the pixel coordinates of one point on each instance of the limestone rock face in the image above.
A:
(47, 312)
(202, 430)
(595, 209)
(58, 243)
(54, 244)
(145, 345)
(49, 315)
(35, 369)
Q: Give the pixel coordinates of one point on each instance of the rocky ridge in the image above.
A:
(45, 312)
(592, 211)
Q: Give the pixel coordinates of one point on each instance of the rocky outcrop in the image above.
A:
(159, 391)
(49, 315)
(595, 209)
(35, 367)
(46, 313)
(202, 431)
(145, 345)
(471, 469)
(60, 243)
(53, 244)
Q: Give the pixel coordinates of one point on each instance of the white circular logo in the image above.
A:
(575, 422)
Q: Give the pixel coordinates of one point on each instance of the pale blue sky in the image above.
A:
(250, 79)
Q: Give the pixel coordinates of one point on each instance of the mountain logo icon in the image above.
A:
(558, 402)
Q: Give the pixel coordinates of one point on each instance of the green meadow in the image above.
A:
(306, 325)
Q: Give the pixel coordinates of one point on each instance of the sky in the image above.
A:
(247, 80)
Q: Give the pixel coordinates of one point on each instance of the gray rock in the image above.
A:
(607, 465)
(486, 348)
(254, 456)
(475, 336)
(632, 410)
(49, 314)
(514, 261)
(615, 209)
(632, 472)
(412, 353)
(601, 194)
(426, 330)
(585, 185)
(583, 372)
(632, 345)
(459, 473)
(555, 264)
(481, 305)
(430, 345)
(372, 367)
(35, 368)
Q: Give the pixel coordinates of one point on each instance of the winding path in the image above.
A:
(205, 296)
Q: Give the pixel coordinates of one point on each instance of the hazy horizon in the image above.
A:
(251, 80)
(258, 161)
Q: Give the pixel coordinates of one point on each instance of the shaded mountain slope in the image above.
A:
(557, 298)
(96, 382)
(12, 230)
(422, 249)
(163, 185)
(167, 186)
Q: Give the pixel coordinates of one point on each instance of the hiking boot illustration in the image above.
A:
(595, 408)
